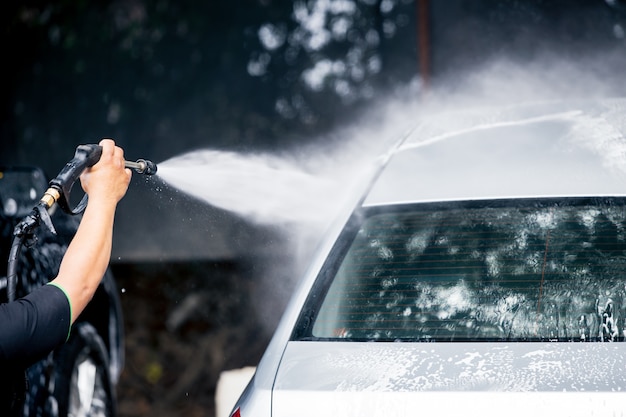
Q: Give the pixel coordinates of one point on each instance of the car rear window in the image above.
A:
(515, 270)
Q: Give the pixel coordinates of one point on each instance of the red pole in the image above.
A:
(423, 40)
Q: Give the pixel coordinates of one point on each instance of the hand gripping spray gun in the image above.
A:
(59, 192)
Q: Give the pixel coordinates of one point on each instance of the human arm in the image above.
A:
(88, 255)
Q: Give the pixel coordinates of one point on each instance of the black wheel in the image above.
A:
(82, 383)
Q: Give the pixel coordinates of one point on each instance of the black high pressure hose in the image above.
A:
(59, 192)
(12, 267)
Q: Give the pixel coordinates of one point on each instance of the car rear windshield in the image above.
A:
(515, 270)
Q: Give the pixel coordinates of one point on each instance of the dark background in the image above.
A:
(167, 77)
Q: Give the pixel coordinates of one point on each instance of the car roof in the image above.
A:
(548, 149)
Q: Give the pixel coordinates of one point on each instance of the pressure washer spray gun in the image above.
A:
(86, 156)
(58, 192)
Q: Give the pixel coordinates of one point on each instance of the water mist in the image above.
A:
(306, 190)
(262, 188)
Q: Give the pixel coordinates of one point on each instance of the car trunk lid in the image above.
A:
(450, 379)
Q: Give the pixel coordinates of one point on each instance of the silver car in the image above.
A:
(483, 273)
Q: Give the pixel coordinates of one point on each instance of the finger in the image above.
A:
(108, 146)
(118, 152)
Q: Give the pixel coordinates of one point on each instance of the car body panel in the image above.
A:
(451, 379)
(454, 366)
(549, 149)
(448, 404)
(548, 156)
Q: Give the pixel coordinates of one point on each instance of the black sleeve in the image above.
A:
(33, 326)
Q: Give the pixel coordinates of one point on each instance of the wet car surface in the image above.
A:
(481, 273)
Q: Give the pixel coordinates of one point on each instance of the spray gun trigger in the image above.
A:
(45, 218)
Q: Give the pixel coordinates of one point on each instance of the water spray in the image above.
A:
(58, 192)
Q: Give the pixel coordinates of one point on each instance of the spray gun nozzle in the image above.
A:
(142, 166)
